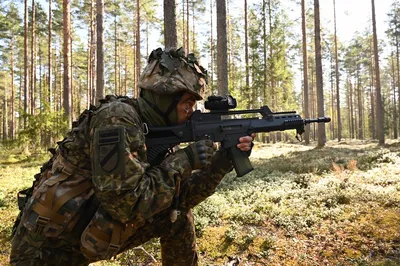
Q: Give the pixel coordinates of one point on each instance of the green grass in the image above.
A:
(339, 205)
(16, 173)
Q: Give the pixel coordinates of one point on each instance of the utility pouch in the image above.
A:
(103, 237)
(58, 202)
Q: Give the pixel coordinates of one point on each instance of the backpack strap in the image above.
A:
(48, 209)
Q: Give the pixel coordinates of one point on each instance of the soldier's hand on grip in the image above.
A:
(200, 153)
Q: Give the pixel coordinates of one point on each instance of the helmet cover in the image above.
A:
(170, 72)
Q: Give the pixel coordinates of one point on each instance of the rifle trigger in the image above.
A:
(145, 129)
(299, 137)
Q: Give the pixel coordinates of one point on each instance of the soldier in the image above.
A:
(98, 196)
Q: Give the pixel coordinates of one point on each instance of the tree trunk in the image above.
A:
(222, 48)
(71, 84)
(398, 74)
(67, 60)
(193, 30)
(12, 124)
(264, 43)
(5, 115)
(211, 49)
(339, 121)
(33, 59)
(26, 74)
(183, 26)
(89, 63)
(305, 72)
(115, 56)
(360, 108)
(50, 55)
(273, 93)
(395, 132)
(100, 51)
(320, 89)
(92, 55)
(351, 109)
(187, 27)
(379, 105)
(138, 57)
(170, 35)
(372, 92)
(246, 92)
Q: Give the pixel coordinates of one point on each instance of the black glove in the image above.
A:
(200, 153)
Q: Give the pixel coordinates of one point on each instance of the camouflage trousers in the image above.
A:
(177, 244)
(177, 239)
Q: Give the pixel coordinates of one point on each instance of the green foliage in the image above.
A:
(274, 215)
(43, 126)
(281, 195)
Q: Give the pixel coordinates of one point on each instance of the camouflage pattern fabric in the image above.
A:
(170, 72)
(141, 196)
(30, 248)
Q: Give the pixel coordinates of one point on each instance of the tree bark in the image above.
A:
(92, 56)
(100, 51)
(305, 72)
(395, 132)
(339, 122)
(12, 124)
(211, 49)
(398, 73)
(26, 76)
(50, 52)
(318, 61)
(187, 28)
(138, 57)
(170, 35)
(222, 48)
(5, 115)
(246, 92)
(67, 60)
(379, 105)
(33, 59)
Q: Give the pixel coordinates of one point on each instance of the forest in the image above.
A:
(314, 200)
(53, 67)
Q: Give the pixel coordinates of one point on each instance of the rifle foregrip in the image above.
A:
(240, 161)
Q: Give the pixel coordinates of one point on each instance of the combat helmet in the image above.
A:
(170, 71)
(168, 75)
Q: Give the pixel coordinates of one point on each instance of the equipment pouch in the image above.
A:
(57, 203)
(103, 237)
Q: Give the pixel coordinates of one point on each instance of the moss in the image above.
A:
(352, 253)
(214, 242)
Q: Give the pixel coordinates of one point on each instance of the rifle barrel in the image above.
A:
(324, 119)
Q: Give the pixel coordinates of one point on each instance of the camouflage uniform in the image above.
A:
(137, 197)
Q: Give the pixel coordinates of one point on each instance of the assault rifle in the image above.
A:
(219, 126)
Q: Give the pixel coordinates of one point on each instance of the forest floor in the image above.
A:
(339, 205)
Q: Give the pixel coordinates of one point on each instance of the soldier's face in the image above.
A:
(185, 107)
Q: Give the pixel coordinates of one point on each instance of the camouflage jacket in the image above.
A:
(140, 190)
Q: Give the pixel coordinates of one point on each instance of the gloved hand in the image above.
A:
(200, 153)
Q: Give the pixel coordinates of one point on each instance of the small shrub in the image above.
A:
(2, 201)
(232, 233)
(303, 180)
(268, 243)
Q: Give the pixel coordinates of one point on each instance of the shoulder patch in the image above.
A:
(109, 151)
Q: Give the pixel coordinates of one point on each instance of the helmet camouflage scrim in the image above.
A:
(170, 72)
